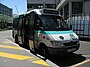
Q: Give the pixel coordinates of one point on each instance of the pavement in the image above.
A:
(12, 55)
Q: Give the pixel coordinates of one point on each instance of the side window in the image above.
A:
(37, 22)
(32, 19)
(23, 19)
(31, 25)
(15, 24)
(26, 24)
(20, 23)
(26, 20)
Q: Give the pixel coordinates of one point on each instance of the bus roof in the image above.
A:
(40, 12)
(44, 11)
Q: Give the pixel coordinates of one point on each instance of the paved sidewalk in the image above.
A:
(11, 55)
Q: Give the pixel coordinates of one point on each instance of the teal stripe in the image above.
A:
(55, 32)
(58, 32)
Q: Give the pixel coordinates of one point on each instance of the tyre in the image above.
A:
(43, 51)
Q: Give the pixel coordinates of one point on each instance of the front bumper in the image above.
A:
(64, 50)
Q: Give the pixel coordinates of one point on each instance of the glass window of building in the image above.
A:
(77, 7)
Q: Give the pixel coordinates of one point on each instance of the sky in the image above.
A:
(18, 6)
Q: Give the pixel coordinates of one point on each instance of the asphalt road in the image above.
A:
(12, 55)
(23, 58)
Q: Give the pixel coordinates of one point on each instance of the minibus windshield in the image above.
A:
(54, 23)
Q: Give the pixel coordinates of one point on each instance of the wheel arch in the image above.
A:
(42, 45)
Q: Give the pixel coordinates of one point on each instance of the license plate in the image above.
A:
(70, 50)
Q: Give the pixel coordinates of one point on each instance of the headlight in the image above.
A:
(57, 43)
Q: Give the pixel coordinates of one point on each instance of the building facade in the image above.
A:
(5, 10)
(69, 8)
(5, 16)
(36, 4)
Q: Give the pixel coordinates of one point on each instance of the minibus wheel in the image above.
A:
(43, 51)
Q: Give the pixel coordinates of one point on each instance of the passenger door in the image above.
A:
(31, 31)
(37, 31)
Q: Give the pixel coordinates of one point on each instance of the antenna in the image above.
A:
(17, 9)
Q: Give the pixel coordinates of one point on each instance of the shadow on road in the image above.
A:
(67, 60)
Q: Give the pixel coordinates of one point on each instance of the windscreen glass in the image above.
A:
(54, 23)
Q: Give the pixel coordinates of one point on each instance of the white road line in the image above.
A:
(81, 63)
(86, 55)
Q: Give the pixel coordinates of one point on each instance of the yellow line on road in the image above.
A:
(7, 42)
(11, 47)
(76, 65)
(41, 62)
(34, 59)
(22, 57)
(15, 56)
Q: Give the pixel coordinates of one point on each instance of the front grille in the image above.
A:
(70, 43)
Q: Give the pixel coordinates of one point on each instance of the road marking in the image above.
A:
(86, 55)
(41, 62)
(11, 47)
(81, 63)
(7, 42)
(34, 59)
(15, 56)
(31, 59)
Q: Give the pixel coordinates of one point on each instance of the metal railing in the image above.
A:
(80, 24)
